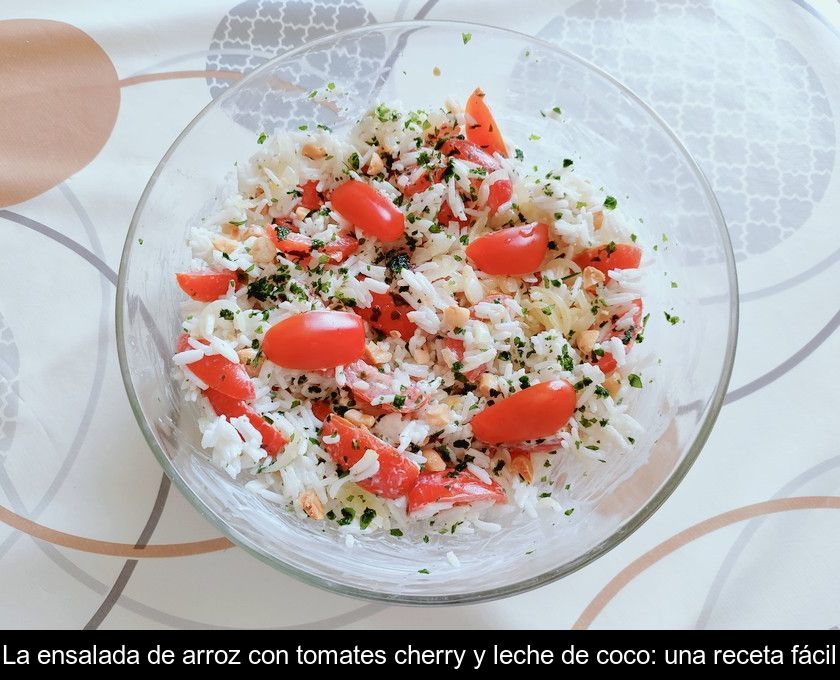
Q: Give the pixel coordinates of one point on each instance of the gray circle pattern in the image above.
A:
(9, 367)
(256, 30)
(750, 109)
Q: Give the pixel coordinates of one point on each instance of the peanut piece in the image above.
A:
(586, 341)
(301, 212)
(263, 250)
(523, 467)
(224, 244)
(434, 463)
(375, 164)
(487, 382)
(612, 384)
(311, 504)
(437, 415)
(248, 358)
(313, 151)
(597, 220)
(592, 277)
(456, 317)
(375, 354)
(359, 418)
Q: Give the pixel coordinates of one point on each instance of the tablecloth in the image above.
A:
(91, 96)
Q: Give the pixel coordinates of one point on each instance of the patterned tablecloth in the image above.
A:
(93, 93)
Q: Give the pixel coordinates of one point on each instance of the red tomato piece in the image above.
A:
(445, 216)
(369, 210)
(206, 286)
(501, 190)
(289, 242)
(389, 312)
(607, 362)
(272, 439)
(512, 252)
(321, 409)
(457, 346)
(484, 132)
(453, 488)
(219, 373)
(611, 256)
(342, 247)
(315, 340)
(533, 413)
(423, 182)
(471, 152)
(367, 384)
(396, 475)
(310, 199)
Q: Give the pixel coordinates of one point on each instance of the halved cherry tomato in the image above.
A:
(367, 384)
(453, 488)
(219, 373)
(535, 412)
(607, 362)
(369, 210)
(512, 252)
(223, 405)
(501, 190)
(288, 241)
(310, 199)
(321, 409)
(484, 132)
(389, 312)
(206, 286)
(611, 256)
(315, 340)
(397, 474)
(457, 346)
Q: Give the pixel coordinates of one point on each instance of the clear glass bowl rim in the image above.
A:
(625, 529)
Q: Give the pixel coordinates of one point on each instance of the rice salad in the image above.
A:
(407, 326)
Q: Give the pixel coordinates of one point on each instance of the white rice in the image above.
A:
(521, 330)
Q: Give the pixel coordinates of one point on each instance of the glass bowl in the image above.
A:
(613, 137)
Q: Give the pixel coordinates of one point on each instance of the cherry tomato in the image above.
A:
(485, 133)
(457, 346)
(389, 312)
(453, 488)
(315, 340)
(607, 362)
(501, 190)
(289, 242)
(369, 210)
(535, 412)
(396, 475)
(611, 256)
(219, 373)
(223, 405)
(367, 384)
(310, 199)
(206, 286)
(512, 251)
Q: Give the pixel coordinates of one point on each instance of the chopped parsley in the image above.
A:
(567, 162)
(634, 380)
(672, 319)
(226, 314)
(533, 137)
(566, 361)
(347, 515)
(569, 512)
(466, 37)
(399, 401)
(518, 154)
(423, 571)
(610, 202)
(262, 138)
(367, 518)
